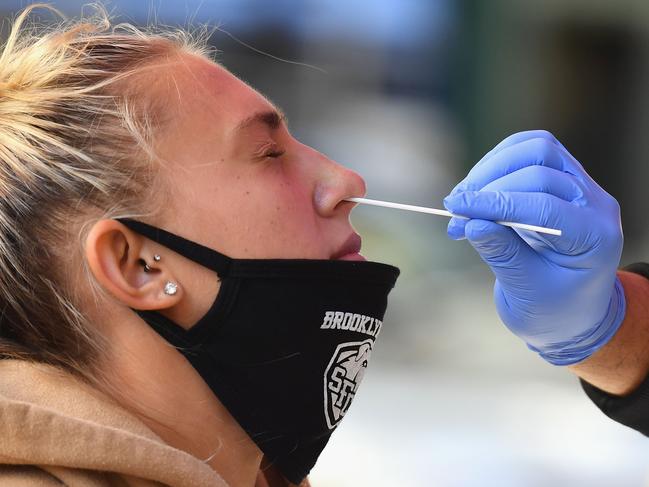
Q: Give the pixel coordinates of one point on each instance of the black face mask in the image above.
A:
(284, 345)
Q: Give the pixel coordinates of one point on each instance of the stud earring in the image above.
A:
(171, 288)
(157, 258)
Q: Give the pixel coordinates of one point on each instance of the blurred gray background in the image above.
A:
(415, 92)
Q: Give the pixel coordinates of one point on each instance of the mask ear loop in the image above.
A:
(210, 258)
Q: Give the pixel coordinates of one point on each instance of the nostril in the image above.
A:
(359, 186)
(345, 202)
(336, 185)
(331, 200)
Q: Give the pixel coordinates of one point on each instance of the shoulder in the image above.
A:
(55, 476)
(65, 434)
(26, 476)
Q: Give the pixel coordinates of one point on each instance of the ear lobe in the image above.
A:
(116, 256)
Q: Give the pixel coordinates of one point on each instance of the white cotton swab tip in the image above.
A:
(434, 211)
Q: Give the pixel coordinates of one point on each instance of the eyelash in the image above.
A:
(275, 153)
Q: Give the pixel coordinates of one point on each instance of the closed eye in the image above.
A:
(275, 154)
(269, 150)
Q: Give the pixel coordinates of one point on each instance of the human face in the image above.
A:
(241, 183)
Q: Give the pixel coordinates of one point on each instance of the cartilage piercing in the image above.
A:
(146, 266)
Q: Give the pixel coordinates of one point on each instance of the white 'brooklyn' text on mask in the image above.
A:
(339, 320)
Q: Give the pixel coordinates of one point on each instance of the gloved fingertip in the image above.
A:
(458, 189)
(455, 229)
(452, 201)
(460, 202)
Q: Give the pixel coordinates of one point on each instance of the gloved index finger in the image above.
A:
(517, 138)
(541, 209)
(539, 179)
(527, 153)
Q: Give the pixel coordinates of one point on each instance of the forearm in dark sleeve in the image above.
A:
(615, 378)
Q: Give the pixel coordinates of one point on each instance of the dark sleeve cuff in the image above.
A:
(631, 410)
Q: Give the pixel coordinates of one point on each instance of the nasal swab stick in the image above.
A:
(433, 211)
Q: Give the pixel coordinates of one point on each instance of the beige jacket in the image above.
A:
(54, 431)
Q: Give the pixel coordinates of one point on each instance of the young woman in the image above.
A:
(183, 298)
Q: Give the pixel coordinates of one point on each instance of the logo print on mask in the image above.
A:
(342, 377)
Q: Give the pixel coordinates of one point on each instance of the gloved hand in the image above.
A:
(561, 294)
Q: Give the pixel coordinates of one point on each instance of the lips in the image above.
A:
(351, 247)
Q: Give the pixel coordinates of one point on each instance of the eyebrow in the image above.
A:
(273, 119)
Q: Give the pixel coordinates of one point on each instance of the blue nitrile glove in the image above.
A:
(559, 294)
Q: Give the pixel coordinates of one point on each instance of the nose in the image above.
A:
(335, 184)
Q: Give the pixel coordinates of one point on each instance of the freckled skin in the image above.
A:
(235, 218)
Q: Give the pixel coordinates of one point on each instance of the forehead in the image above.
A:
(207, 94)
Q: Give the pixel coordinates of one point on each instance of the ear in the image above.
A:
(116, 256)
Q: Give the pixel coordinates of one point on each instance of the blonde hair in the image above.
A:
(76, 135)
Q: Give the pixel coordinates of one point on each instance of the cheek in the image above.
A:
(275, 217)
(256, 211)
